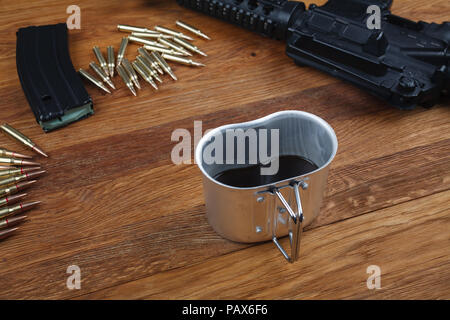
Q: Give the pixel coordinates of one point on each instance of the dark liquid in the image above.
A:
(290, 167)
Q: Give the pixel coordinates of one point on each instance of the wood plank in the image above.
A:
(126, 225)
(116, 205)
(409, 242)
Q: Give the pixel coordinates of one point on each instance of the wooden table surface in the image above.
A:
(115, 205)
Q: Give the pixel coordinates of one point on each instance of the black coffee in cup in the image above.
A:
(247, 177)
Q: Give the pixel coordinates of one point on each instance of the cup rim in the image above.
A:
(207, 137)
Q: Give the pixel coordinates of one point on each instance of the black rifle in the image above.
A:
(403, 62)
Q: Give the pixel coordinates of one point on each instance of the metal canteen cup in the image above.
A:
(266, 212)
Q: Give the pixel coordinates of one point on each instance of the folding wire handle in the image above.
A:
(295, 235)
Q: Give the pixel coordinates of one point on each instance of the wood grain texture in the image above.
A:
(409, 242)
(115, 204)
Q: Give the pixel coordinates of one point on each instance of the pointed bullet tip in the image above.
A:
(19, 155)
(158, 79)
(36, 173)
(24, 184)
(6, 233)
(111, 84)
(13, 198)
(30, 163)
(27, 205)
(40, 152)
(16, 220)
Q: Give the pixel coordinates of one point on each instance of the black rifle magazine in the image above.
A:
(53, 88)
